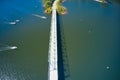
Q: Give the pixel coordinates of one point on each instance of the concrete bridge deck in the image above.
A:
(53, 52)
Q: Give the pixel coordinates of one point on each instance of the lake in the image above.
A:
(91, 32)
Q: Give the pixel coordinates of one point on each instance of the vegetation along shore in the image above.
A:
(48, 7)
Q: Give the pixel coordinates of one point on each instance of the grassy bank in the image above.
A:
(48, 7)
(61, 9)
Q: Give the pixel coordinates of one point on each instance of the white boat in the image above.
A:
(17, 20)
(13, 47)
(13, 22)
(101, 1)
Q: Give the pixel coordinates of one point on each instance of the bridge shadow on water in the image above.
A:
(63, 64)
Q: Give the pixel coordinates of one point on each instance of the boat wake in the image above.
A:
(8, 48)
(13, 22)
(39, 16)
(101, 1)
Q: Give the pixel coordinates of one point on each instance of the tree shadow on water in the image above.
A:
(63, 64)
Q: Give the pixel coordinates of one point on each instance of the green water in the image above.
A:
(91, 31)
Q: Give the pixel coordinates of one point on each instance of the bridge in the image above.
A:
(53, 52)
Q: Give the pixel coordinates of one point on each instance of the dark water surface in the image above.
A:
(92, 36)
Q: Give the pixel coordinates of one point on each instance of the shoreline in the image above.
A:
(48, 7)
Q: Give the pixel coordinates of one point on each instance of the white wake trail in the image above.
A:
(39, 16)
(8, 48)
